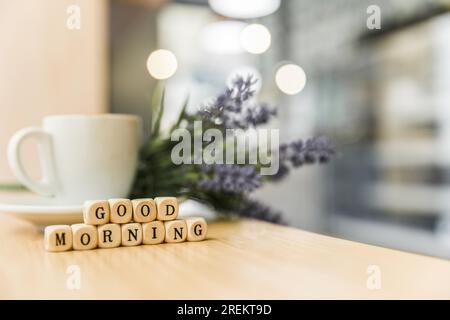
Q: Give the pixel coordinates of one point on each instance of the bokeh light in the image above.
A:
(162, 64)
(290, 79)
(255, 38)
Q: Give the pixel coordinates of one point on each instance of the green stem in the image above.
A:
(12, 187)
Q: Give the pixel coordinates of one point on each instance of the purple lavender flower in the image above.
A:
(258, 114)
(229, 178)
(231, 99)
(256, 210)
(317, 149)
(230, 110)
(241, 89)
(225, 187)
(301, 152)
(283, 171)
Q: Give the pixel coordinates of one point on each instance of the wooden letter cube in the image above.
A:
(144, 210)
(58, 238)
(153, 232)
(196, 229)
(167, 208)
(121, 210)
(109, 235)
(96, 212)
(176, 231)
(131, 234)
(84, 236)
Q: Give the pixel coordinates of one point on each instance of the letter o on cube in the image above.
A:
(84, 236)
(144, 210)
(121, 210)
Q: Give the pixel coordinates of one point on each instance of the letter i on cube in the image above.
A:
(124, 222)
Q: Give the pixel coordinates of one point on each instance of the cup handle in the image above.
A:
(46, 186)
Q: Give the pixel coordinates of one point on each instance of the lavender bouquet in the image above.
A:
(224, 187)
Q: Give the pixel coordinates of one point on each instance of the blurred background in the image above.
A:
(380, 92)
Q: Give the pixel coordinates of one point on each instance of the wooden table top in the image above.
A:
(240, 259)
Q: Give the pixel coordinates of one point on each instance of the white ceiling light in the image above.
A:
(222, 37)
(255, 38)
(290, 79)
(244, 9)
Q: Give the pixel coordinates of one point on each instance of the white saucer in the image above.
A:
(46, 211)
(41, 211)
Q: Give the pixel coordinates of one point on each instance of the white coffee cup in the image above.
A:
(82, 156)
